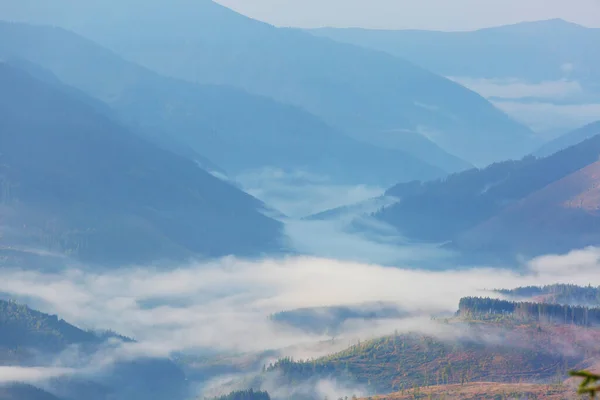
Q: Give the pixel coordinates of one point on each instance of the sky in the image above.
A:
(415, 14)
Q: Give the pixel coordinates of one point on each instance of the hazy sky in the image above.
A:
(417, 14)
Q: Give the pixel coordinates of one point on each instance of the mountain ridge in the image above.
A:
(557, 218)
(439, 211)
(569, 139)
(542, 49)
(89, 187)
(222, 121)
(378, 93)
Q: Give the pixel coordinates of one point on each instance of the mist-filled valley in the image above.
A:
(195, 204)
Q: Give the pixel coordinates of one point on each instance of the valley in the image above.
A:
(199, 205)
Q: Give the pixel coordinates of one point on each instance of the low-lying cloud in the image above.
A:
(516, 88)
(224, 305)
(31, 374)
(547, 117)
(549, 108)
(299, 193)
(337, 239)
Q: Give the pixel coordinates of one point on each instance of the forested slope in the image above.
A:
(75, 182)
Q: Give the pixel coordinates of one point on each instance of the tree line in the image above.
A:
(476, 307)
(558, 293)
(249, 394)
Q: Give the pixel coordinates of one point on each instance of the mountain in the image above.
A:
(368, 94)
(75, 182)
(542, 73)
(504, 351)
(532, 51)
(558, 218)
(569, 139)
(487, 391)
(23, 326)
(34, 339)
(488, 342)
(236, 130)
(168, 142)
(441, 210)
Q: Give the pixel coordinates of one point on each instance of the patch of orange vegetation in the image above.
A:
(561, 216)
(487, 390)
(589, 198)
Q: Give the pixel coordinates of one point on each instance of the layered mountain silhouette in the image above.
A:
(537, 202)
(157, 136)
(369, 94)
(569, 139)
(534, 51)
(234, 129)
(562, 216)
(75, 182)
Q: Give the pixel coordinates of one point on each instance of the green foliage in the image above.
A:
(590, 384)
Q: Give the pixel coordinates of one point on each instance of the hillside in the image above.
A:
(22, 326)
(560, 217)
(24, 392)
(77, 183)
(487, 352)
(532, 51)
(569, 139)
(168, 142)
(236, 130)
(30, 338)
(368, 94)
(486, 391)
(441, 210)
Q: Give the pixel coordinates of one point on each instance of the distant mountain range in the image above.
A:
(236, 130)
(75, 182)
(542, 73)
(534, 51)
(265, 97)
(556, 194)
(569, 139)
(532, 206)
(374, 97)
(562, 216)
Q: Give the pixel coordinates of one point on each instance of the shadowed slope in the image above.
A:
(563, 216)
(76, 182)
(368, 94)
(235, 129)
